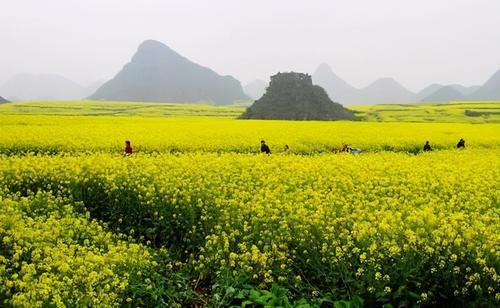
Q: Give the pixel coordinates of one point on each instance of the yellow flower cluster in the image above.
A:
(382, 225)
(52, 256)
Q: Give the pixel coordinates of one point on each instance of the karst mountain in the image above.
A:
(157, 73)
(388, 90)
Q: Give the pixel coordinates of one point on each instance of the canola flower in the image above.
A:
(51, 255)
(22, 134)
(387, 226)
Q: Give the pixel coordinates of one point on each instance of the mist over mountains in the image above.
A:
(255, 89)
(27, 87)
(156, 73)
(388, 90)
(490, 90)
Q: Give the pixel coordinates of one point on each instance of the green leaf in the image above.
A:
(342, 304)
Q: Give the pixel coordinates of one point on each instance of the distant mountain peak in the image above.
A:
(3, 100)
(388, 90)
(152, 44)
(386, 83)
(386, 80)
(385, 90)
(158, 73)
(445, 94)
(382, 90)
(42, 87)
(495, 77)
(490, 90)
(154, 52)
(425, 92)
(324, 66)
(337, 89)
(324, 69)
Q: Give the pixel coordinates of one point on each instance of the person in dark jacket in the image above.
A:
(427, 147)
(264, 148)
(461, 144)
(128, 149)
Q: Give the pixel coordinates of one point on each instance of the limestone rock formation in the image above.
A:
(292, 96)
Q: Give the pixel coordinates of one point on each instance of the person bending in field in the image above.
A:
(348, 149)
(427, 146)
(128, 149)
(264, 148)
(287, 149)
(461, 144)
(345, 148)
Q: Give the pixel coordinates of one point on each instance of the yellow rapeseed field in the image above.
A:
(390, 227)
(55, 134)
(53, 256)
(196, 216)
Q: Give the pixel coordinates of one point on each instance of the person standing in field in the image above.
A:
(461, 144)
(264, 148)
(128, 149)
(427, 147)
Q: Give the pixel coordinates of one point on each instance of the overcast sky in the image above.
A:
(416, 42)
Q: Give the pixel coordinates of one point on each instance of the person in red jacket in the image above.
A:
(128, 149)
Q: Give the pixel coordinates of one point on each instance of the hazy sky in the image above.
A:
(416, 42)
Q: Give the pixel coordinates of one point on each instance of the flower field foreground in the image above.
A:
(52, 256)
(388, 227)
